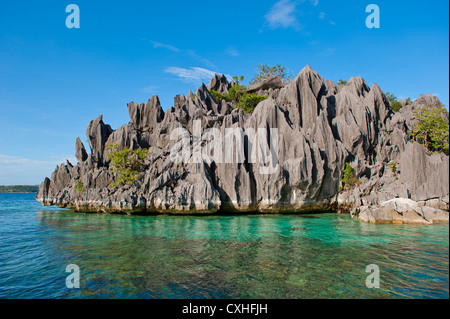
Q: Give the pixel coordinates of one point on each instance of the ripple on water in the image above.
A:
(249, 256)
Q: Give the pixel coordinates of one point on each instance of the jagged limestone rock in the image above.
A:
(320, 126)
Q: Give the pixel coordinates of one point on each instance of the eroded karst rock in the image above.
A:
(319, 127)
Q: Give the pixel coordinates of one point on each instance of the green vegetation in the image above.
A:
(348, 180)
(79, 186)
(393, 167)
(396, 105)
(265, 72)
(237, 80)
(342, 82)
(431, 128)
(19, 189)
(248, 102)
(235, 93)
(218, 96)
(126, 164)
(238, 95)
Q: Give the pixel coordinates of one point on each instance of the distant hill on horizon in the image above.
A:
(19, 189)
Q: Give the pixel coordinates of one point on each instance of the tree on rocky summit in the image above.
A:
(265, 71)
(431, 128)
(396, 105)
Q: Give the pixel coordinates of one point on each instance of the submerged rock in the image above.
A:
(317, 125)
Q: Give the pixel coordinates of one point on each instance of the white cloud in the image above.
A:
(165, 46)
(199, 58)
(323, 16)
(282, 15)
(314, 2)
(188, 52)
(193, 75)
(17, 170)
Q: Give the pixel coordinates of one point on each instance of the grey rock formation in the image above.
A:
(402, 211)
(219, 83)
(80, 153)
(319, 127)
(97, 133)
(146, 116)
(274, 83)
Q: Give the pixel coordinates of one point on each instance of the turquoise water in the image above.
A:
(249, 256)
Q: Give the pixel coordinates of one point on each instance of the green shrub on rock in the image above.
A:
(79, 186)
(265, 72)
(248, 102)
(348, 180)
(238, 94)
(431, 128)
(396, 105)
(218, 96)
(126, 164)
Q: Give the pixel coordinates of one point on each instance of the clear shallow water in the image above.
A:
(250, 256)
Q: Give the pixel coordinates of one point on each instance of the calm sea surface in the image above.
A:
(249, 256)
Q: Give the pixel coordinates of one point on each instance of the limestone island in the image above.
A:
(334, 148)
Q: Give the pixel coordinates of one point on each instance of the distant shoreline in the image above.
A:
(18, 192)
(19, 189)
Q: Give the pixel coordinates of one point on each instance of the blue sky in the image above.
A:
(54, 80)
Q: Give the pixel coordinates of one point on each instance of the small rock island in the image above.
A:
(325, 131)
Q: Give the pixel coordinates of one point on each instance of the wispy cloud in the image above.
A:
(314, 2)
(283, 15)
(199, 58)
(323, 16)
(193, 75)
(21, 170)
(165, 46)
(188, 52)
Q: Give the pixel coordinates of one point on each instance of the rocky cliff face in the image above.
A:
(319, 127)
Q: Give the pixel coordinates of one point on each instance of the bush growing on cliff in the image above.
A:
(218, 96)
(431, 128)
(396, 105)
(348, 180)
(393, 167)
(265, 72)
(235, 93)
(248, 102)
(126, 164)
(79, 186)
(238, 94)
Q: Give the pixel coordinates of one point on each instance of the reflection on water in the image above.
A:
(251, 256)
